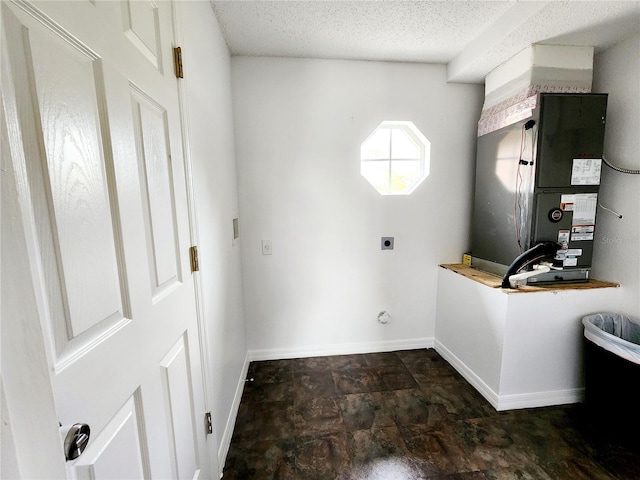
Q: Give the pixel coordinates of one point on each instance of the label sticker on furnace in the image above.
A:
(584, 209)
(586, 171)
(582, 232)
(567, 202)
(570, 262)
(563, 237)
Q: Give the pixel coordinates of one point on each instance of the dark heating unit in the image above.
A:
(537, 181)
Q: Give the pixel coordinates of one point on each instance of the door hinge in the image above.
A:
(193, 255)
(208, 425)
(177, 61)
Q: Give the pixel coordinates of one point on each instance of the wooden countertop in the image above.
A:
(494, 281)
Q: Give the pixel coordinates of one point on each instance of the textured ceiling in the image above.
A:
(472, 37)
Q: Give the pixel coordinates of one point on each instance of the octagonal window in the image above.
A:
(395, 158)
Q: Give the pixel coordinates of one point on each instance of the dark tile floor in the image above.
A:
(407, 415)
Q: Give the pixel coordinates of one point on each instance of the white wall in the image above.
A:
(207, 76)
(299, 124)
(617, 248)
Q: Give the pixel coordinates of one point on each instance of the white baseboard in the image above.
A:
(340, 349)
(514, 401)
(468, 374)
(225, 441)
(541, 399)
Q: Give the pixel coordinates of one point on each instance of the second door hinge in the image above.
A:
(208, 425)
(193, 255)
(177, 60)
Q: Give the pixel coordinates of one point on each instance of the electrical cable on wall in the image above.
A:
(609, 210)
(518, 207)
(619, 169)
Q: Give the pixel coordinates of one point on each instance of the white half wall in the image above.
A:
(617, 242)
(299, 124)
(542, 360)
(519, 350)
(471, 325)
(211, 141)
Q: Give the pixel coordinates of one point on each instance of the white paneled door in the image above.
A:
(90, 106)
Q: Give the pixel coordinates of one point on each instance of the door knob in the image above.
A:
(75, 439)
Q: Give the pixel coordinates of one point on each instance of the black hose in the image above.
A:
(540, 251)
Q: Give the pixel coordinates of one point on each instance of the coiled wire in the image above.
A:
(619, 169)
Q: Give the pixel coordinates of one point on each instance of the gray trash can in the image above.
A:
(612, 368)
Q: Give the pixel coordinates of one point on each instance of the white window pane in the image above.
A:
(377, 145)
(403, 146)
(395, 158)
(404, 175)
(377, 174)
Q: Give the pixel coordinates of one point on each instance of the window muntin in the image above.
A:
(394, 158)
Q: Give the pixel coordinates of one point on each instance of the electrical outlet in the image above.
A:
(386, 243)
(266, 247)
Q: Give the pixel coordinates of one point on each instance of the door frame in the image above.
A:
(185, 127)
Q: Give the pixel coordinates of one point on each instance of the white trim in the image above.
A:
(540, 399)
(469, 375)
(194, 233)
(513, 401)
(341, 349)
(225, 441)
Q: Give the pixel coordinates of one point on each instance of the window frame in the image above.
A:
(423, 145)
